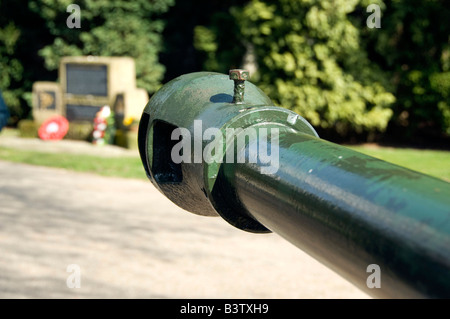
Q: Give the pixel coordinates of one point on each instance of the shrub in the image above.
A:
(28, 128)
(127, 139)
(79, 130)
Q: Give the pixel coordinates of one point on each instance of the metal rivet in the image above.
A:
(239, 76)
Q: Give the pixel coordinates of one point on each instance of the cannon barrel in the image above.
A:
(264, 168)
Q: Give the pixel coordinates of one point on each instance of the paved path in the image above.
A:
(131, 242)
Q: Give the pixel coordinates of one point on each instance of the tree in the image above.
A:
(310, 59)
(34, 36)
(11, 70)
(108, 28)
(22, 34)
(201, 35)
(413, 46)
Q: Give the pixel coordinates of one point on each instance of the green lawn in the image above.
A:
(434, 163)
(130, 167)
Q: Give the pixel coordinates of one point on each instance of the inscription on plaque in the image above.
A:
(47, 100)
(81, 112)
(83, 79)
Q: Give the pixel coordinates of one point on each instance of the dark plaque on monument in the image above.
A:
(87, 79)
(81, 112)
(47, 100)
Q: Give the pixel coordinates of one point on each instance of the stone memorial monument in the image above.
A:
(86, 83)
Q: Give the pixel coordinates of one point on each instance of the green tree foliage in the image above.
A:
(413, 45)
(187, 37)
(220, 41)
(34, 36)
(108, 28)
(11, 70)
(22, 34)
(440, 83)
(309, 59)
(319, 58)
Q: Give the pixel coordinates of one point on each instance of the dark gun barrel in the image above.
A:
(263, 168)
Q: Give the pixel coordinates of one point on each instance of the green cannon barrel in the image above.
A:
(263, 168)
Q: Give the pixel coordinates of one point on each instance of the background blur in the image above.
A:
(317, 57)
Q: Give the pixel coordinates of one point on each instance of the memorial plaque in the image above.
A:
(47, 100)
(87, 79)
(81, 112)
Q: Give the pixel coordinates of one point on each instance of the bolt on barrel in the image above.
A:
(239, 76)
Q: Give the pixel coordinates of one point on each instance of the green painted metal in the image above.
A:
(349, 210)
(346, 209)
(205, 97)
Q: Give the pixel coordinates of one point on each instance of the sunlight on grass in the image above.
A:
(431, 162)
(129, 167)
